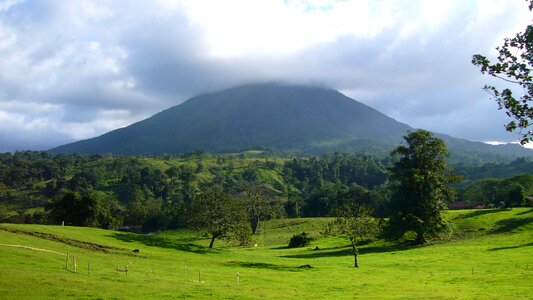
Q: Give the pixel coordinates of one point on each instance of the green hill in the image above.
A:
(488, 257)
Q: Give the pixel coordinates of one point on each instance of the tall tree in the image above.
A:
(257, 201)
(216, 213)
(420, 176)
(357, 225)
(514, 65)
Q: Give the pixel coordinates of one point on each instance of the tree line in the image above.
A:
(163, 192)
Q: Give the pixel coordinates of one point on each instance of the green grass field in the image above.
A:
(488, 257)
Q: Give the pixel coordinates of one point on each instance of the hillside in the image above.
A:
(487, 258)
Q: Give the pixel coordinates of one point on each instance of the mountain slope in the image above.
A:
(268, 116)
(274, 116)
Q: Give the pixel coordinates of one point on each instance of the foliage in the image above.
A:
(514, 65)
(259, 204)
(420, 189)
(89, 209)
(494, 192)
(357, 225)
(157, 192)
(216, 213)
(300, 240)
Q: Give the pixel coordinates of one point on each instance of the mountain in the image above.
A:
(274, 116)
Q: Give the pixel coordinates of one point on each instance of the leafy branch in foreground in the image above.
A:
(514, 65)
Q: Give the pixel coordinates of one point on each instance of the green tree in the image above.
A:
(216, 213)
(419, 190)
(357, 225)
(514, 65)
(516, 196)
(258, 204)
(92, 209)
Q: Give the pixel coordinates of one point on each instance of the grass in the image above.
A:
(489, 257)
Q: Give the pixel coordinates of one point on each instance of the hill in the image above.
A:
(489, 257)
(273, 116)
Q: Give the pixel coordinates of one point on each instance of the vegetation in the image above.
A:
(420, 193)
(218, 214)
(499, 193)
(300, 240)
(489, 257)
(157, 192)
(514, 65)
(357, 225)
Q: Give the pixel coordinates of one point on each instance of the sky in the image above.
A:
(72, 70)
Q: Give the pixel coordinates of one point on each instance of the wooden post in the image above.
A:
(472, 270)
(66, 263)
(75, 264)
(88, 266)
(126, 270)
(238, 278)
(199, 277)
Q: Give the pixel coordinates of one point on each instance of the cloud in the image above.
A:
(75, 69)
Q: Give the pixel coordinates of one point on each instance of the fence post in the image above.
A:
(66, 263)
(75, 264)
(88, 266)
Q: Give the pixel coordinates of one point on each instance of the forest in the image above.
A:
(155, 192)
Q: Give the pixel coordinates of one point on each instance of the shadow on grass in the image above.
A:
(510, 247)
(480, 212)
(525, 212)
(508, 225)
(184, 244)
(346, 251)
(256, 265)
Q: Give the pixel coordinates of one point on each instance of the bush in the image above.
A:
(300, 240)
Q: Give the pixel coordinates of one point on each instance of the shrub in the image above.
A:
(300, 240)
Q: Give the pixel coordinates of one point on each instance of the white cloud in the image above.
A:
(75, 69)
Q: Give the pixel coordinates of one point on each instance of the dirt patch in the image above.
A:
(71, 242)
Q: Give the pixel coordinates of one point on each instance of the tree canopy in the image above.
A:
(357, 225)
(216, 213)
(514, 65)
(419, 190)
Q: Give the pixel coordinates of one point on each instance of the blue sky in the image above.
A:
(72, 70)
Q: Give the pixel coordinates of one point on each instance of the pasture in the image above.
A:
(489, 256)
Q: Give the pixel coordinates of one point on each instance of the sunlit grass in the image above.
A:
(488, 258)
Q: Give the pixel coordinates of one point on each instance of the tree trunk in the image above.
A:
(255, 225)
(355, 252)
(212, 241)
(420, 239)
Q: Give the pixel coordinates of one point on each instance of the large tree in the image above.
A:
(514, 65)
(216, 213)
(420, 176)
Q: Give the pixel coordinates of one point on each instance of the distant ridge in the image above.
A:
(268, 116)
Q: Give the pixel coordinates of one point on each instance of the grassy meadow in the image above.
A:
(489, 256)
